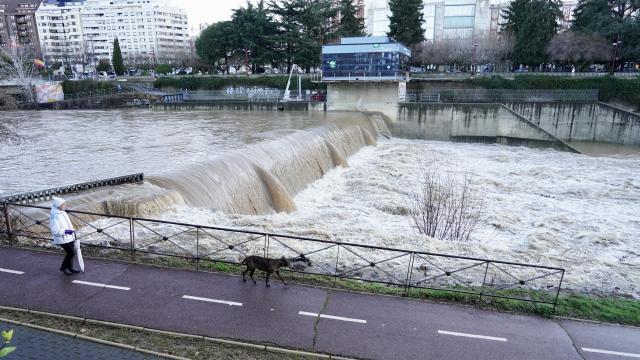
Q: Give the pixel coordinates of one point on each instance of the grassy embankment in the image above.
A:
(186, 347)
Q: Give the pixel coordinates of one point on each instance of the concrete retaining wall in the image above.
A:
(471, 122)
(587, 121)
(358, 96)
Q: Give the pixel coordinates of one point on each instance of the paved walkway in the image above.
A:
(33, 344)
(337, 322)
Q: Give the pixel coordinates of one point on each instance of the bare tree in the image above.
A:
(579, 48)
(459, 52)
(444, 205)
(17, 64)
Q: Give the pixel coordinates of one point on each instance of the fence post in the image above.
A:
(409, 274)
(5, 207)
(335, 272)
(486, 270)
(132, 237)
(555, 302)
(198, 248)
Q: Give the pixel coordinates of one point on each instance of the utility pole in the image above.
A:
(616, 44)
(473, 61)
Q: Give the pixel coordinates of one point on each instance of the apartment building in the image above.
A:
(60, 30)
(453, 19)
(146, 29)
(18, 23)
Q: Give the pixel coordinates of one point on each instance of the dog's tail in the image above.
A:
(244, 262)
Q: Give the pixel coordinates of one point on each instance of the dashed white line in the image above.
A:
(11, 271)
(609, 352)
(101, 285)
(484, 337)
(332, 317)
(230, 303)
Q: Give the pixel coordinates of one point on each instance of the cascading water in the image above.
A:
(264, 177)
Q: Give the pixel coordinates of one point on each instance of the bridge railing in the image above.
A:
(500, 95)
(406, 269)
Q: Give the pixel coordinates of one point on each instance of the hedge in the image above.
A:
(222, 82)
(83, 86)
(611, 89)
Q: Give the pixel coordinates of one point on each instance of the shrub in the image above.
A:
(83, 86)
(444, 205)
(611, 88)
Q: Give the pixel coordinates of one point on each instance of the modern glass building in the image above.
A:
(376, 58)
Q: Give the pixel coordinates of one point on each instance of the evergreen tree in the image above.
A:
(256, 32)
(216, 44)
(532, 23)
(118, 64)
(616, 20)
(406, 21)
(103, 65)
(350, 25)
(302, 29)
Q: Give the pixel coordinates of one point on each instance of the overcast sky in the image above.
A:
(208, 11)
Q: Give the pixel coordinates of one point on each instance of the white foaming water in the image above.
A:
(541, 206)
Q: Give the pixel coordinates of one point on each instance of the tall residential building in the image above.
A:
(60, 29)
(18, 23)
(147, 30)
(453, 19)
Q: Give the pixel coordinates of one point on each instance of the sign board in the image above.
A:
(402, 91)
(49, 92)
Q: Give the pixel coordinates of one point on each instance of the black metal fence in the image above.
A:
(406, 269)
(499, 95)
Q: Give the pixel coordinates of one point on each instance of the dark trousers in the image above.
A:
(70, 249)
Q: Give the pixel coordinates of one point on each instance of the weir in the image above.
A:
(264, 177)
(260, 178)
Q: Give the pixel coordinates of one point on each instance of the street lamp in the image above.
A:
(616, 44)
(473, 61)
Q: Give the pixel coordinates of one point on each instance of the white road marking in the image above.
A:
(101, 285)
(230, 303)
(11, 271)
(333, 317)
(471, 335)
(611, 352)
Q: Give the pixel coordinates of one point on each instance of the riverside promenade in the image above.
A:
(299, 317)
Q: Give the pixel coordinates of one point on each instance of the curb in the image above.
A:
(156, 331)
(88, 338)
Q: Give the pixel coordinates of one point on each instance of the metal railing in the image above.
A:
(46, 194)
(254, 95)
(500, 95)
(405, 269)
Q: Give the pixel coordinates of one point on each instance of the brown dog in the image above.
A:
(267, 265)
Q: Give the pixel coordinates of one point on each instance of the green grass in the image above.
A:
(178, 346)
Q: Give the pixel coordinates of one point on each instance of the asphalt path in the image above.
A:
(297, 316)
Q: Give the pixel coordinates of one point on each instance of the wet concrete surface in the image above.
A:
(351, 324)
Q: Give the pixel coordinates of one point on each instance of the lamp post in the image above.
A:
(616, 44)
(473, 61)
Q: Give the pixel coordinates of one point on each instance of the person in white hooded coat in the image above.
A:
(63, 233)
